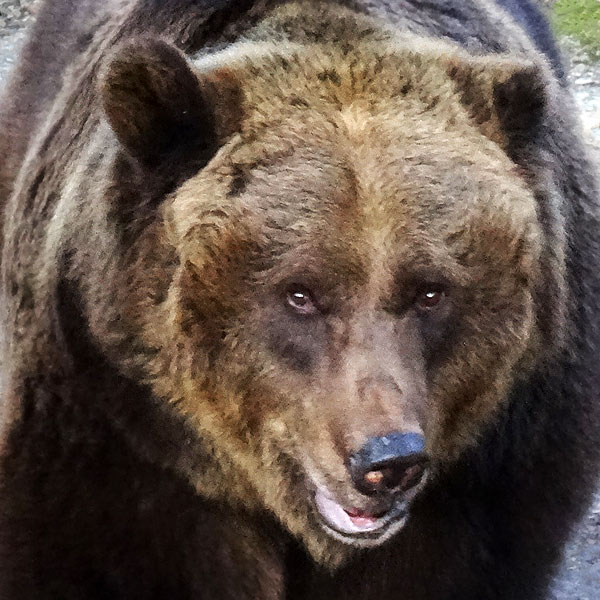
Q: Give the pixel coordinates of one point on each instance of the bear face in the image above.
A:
(341, 278)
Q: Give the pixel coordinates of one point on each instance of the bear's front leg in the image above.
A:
(83, 516)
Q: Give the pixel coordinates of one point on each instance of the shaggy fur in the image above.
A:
(172, 173)
(529, 15)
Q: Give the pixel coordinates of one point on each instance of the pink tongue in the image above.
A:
(360, 519)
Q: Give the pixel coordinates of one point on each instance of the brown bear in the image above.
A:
(300, 300)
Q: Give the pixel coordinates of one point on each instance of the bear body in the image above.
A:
(248, 246)
(529, 15)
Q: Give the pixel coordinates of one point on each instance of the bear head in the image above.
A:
(342, 294)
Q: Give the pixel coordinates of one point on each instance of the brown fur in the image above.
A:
(380, 240)
(166, 204)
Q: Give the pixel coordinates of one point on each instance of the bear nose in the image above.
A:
(390, 463)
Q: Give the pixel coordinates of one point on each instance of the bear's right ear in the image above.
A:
(158, 107)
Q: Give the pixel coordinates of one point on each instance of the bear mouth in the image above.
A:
(358, 527)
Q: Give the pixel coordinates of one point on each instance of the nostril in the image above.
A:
(395, 477)
(374, 477)
(412, 476)
(391, 463)
(401, 476)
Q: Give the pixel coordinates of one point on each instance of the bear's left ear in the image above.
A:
(507, 99)
(159, 108)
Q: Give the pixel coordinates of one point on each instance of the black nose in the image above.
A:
(390, 463)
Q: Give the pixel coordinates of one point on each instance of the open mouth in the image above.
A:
(354, 523)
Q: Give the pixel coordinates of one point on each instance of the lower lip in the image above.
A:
(337, 518)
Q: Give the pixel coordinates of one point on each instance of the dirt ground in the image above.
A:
(579, 578)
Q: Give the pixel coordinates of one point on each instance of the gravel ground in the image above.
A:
(579, 578)
(14, 14)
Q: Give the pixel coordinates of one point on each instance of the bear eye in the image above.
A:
(301, 301)
(429, 297)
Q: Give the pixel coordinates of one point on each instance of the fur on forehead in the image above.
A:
(321, 96)
(294, 84)
(371, 73)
